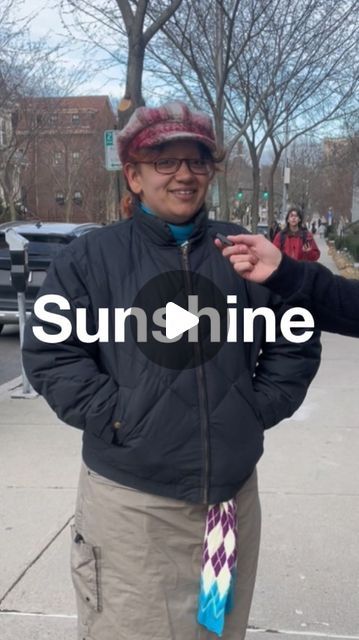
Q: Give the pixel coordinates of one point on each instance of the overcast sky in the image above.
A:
(47, 23)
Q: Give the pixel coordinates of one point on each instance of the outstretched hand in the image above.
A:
(252, 256)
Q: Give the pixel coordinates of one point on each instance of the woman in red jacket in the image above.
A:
(294, 240)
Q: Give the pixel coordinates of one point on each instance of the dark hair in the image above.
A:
(129, 199)
(298, 212)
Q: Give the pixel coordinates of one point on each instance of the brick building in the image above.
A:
(64, 178)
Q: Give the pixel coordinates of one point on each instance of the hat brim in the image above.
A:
(178, 136)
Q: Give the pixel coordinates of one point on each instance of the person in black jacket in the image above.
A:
(333, 300)
(167, 511)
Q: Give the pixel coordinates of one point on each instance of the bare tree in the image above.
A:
(211, 38)
(64, 165)
(133, 24)
(323, 172)
(313, 47)
(27, 68)
(350, 131)
(65, 176)
(257, 64)
(306, 161)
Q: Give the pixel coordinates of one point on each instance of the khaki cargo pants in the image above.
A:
(136, 561)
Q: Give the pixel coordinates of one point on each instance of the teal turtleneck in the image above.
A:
(180, 232)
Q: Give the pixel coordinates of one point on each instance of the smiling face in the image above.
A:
(176, 197)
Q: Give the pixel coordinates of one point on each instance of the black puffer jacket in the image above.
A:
(333, 300)
(194, 434)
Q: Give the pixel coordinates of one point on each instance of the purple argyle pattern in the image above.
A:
(218, 565)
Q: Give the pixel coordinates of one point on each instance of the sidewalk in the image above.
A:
(325, 258)
(307, 584)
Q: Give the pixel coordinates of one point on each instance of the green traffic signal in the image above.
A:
(239, 195)
(265, 194)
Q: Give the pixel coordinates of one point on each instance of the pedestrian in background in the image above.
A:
(167, 525)
(321, 229)
(295, 240)
(273, 230)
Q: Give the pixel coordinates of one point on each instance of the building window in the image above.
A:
(76, 157)
(75, 118)
(59, 197)
(58, 157)
(77, 197)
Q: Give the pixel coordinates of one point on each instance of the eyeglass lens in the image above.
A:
(171, 165)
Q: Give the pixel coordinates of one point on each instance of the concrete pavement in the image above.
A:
(308, 579)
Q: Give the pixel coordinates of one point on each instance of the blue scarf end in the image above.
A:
(212, 609)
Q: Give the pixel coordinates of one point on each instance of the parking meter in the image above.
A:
(19, 271)
(18, 260)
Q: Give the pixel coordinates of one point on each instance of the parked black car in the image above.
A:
(46, 239)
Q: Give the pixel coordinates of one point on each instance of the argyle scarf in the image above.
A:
(219, 561)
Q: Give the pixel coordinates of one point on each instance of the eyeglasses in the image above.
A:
(169, 166)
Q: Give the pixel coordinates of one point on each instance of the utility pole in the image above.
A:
(286, 169)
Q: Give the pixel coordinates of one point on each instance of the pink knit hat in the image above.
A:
(172, 121)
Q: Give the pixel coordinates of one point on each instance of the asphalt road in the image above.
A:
(10, 366)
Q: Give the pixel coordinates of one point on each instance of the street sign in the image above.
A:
(112, 161)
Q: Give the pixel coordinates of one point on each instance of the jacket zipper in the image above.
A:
(202, 390)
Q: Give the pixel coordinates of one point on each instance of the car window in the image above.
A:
(47, 239)
(45, 245)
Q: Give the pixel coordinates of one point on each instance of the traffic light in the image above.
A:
(265, 194)
(239, 195)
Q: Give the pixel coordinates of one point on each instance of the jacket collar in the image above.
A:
(157, 230)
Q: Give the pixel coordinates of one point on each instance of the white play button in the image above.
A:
(172, 329)
(178, 320)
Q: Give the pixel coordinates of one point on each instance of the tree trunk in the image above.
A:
(12, 209)
(8, 190)
(68, 211)
(271, 175)
(221, 175)
(223, 196)
(256, 187)
(133, 94)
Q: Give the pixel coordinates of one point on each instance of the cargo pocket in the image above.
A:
(85, 571)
